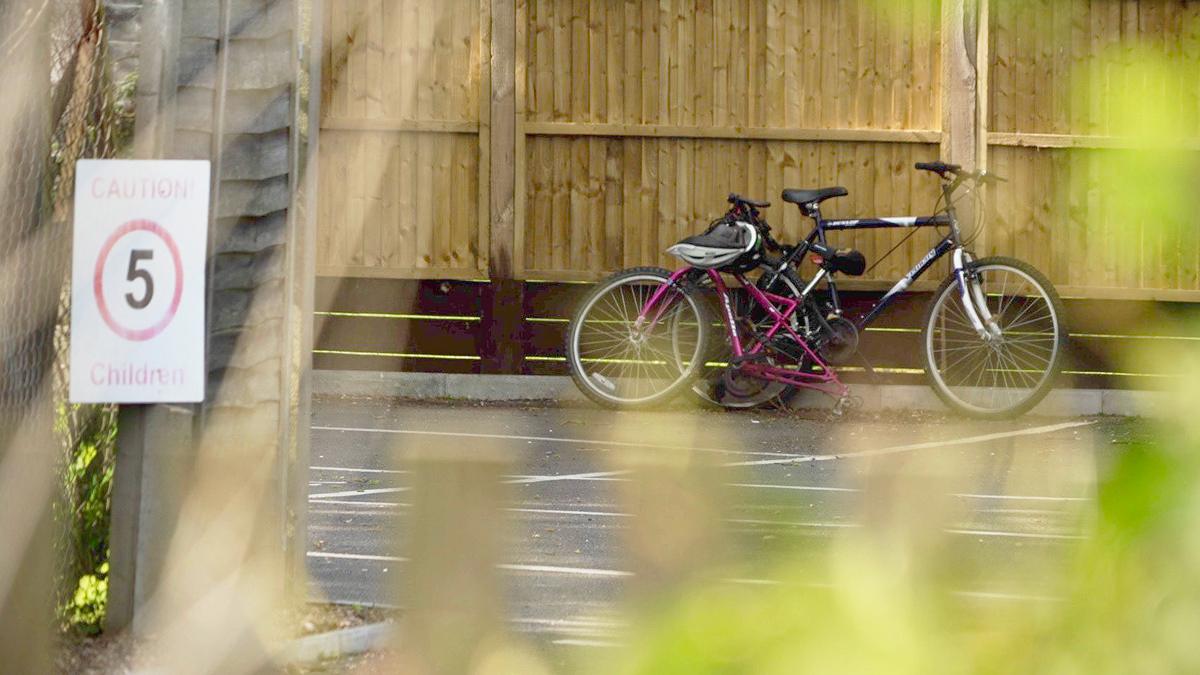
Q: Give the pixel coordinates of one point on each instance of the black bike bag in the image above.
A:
(846, 261)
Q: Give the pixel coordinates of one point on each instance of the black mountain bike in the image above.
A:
(992, 340)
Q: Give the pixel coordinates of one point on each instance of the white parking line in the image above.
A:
(355, 556)
(356, 493)
(575, 642)
(512, 567)
(1025, 498)
(352, 469)
(564, 512)
(594, 572)
(579, 622)
(555, 569)
(595, 475)
(802, 488)
(553, 439)
(1032, 431)
(377, 505)
(814, 525)
(1017, 535)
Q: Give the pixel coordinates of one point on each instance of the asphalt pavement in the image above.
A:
(1020, 493)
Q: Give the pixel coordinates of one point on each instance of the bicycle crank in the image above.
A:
(846, 404)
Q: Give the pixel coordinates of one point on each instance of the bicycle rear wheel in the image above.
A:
(1009, 370)
(622, 360)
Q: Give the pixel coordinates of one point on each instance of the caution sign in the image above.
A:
(137, 296)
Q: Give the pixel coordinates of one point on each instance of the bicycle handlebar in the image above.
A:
(943, 169)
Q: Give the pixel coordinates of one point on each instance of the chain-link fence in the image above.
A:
(64, 105)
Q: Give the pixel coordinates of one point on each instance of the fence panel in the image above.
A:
(640, 117)
(401, 177)
(1062, 100)
(636, 117)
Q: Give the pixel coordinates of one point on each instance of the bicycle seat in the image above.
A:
(735, 198)
(802, 197)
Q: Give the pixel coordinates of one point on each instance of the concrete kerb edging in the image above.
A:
(338, 643)
(516, 388)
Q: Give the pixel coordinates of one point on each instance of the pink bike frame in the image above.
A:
(780, 308)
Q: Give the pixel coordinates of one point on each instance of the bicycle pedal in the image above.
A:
(846, 404)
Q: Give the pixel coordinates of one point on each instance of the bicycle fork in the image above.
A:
(973, 299)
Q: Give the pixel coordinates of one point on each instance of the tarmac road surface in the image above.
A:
(1020, 491)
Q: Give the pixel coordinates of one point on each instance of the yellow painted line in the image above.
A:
(1099, 372)
(397, 355)
(389, 315)
(1191, 338)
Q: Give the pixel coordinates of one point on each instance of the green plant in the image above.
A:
(85, 610)
(82, 514)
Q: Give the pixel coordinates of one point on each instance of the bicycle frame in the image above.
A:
(780, 308)
(973, 301)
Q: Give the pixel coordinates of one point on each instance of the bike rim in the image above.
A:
(627, 364)
(1001, 374)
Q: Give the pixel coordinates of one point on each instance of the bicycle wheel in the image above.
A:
(621, 362)
(1009, 370)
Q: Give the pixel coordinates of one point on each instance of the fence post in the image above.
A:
(503, 301)
(960, 77)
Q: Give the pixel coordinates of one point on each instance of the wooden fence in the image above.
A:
(591, 134)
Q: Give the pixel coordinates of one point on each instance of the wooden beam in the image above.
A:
(386, 124)
(982, 80)
(365, 271)
(502, 325)
(959, 82)
(731, 133)
(1030, 140)
(502, 143)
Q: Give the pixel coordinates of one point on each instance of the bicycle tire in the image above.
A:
(587, 382)
(1008, 365)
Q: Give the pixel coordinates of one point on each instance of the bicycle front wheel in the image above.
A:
(1009, 368)
(623, 353)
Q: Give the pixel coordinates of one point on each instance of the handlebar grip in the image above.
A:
(939, 167)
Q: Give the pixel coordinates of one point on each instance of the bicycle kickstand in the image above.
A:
(871, 372)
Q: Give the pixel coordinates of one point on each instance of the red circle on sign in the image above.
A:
(138, 334)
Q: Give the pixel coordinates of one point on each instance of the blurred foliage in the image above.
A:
(82, 512)
(85, 611)
(1130, 605)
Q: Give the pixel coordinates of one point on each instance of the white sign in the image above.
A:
(137, 294)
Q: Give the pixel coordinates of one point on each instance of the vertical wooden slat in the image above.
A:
(520, 165)
(633, 112)
(720, 74)
(615, 75)
(809, 79)
(781, 93)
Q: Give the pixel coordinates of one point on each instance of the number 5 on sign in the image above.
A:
(137, 296)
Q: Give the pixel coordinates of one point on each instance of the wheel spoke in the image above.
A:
(994, 375)
(624, 363)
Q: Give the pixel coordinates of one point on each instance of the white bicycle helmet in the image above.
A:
(729, 246)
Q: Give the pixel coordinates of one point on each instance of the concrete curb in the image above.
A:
(516, 388)
(338, 643)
